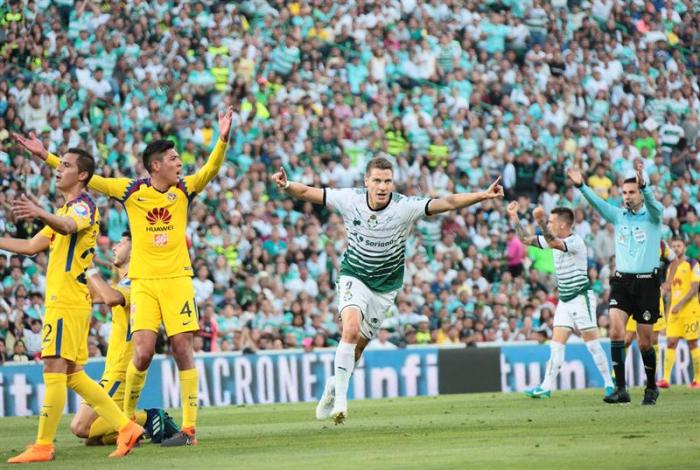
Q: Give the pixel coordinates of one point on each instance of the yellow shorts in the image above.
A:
(115, 385)
(65, 334)
(167, 301)
(658, 326)
(683, 325)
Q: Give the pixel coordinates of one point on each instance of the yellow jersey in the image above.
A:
(687, 272)
(71, 255)
(158, 221)
(120, 348)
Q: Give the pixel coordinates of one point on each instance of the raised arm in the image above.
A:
(101, 292)
(653, 206)
(298, 190)
(604, 208)
(197, 182)
(112, 187)
(523, 234)
(459, 201)
(35, 245)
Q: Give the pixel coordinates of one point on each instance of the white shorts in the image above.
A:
(579, 312)
(373, 305)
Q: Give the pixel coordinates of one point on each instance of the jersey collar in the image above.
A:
(391, 196)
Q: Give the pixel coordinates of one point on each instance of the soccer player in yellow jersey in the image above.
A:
(682, 320)
(86, 424)
(70, 235)
(161, 271)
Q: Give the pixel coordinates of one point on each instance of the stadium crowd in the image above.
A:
(455, 93)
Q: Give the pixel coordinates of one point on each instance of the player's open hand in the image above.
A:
(640, 174)
(24, 208)
(575, 175)
(676, 310)
(538, 213)
(225, 119)
(280, 178)
(31, 144)
(494, 191)
(512, 210)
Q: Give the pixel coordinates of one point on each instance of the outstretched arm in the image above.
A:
(298, 190)
(35, 245)
(24, 208)
(112, 187)
(459, 201)
(196, 183)
(101, 292)
(604, 208)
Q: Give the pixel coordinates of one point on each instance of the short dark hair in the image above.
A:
(379, 163)
(155, 150)
(565, 214)
(85, 162)
(678, 238)
(631, 180)
(126, 234)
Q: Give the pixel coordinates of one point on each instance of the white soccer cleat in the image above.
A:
(340, 412)
(325, 405)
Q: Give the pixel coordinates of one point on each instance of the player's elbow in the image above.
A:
(114, 300)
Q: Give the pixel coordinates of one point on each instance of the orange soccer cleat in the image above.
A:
(695, 384)
(129, 437)
(35, 453)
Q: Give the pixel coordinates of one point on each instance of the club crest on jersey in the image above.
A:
(81, 210)
(171, 196)
(372, 222)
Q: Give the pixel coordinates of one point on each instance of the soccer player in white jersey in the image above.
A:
(577, 302)
(377, 221)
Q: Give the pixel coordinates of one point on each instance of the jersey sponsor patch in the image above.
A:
(160, 239)
(81, 210)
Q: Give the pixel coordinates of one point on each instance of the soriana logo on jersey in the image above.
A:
(159, 220)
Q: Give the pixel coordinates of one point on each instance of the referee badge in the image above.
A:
(646, 315)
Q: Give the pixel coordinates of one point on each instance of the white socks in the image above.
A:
(556, 359)
(344, 365)
(601, 360)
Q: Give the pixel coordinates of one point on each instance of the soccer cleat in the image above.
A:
(618, 396)
(609, 391)
(170, 427)
(694, 384)
(662, 384)
(153, 426)
(650, 396)
(538, 392)
(325, 405)
(340, 412)
(185, 437)
(35, 453)
(129, 437)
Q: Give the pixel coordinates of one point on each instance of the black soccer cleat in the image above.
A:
(650, 396)
(618, 396)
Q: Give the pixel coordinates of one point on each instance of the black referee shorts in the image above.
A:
(637, 295)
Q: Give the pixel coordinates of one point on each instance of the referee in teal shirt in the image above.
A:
(635, 285)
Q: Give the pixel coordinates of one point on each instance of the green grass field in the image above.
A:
(573, 429)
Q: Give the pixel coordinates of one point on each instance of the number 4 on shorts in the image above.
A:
(186, 310)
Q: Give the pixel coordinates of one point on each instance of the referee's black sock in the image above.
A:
(649, 359)
(617, 351)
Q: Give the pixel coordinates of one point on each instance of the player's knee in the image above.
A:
(80, 428)
(351, 333)
(672, 343)
(142, 358)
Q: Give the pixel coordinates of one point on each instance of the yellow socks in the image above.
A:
(669, 360)
(695, 355)
(135, 379)
(52, 408)
(101, 428)
(98, 398)
(189, 382)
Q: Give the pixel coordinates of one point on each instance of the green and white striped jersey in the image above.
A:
(376, 238)
(570, 266)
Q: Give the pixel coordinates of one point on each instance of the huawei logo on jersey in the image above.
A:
(159, 214)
